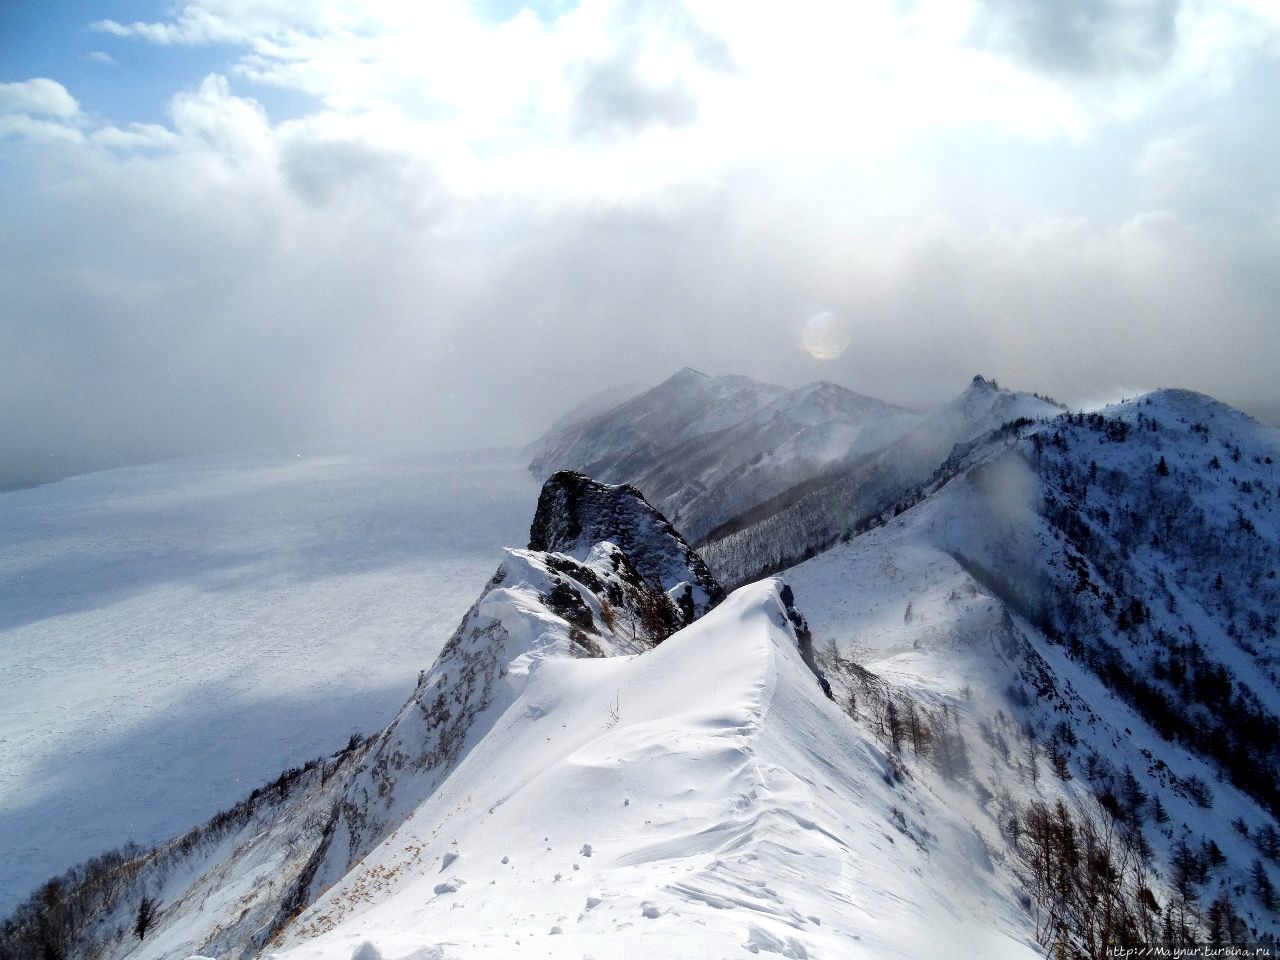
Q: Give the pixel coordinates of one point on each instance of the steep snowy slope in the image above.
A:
(854, 495)
(701, 800)
(704, 449)
(1063, 595)
(311, 825)
(173, 635)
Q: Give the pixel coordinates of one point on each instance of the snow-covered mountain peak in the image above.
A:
(826, 404)
(1189, 408)
(983, 394)
(687, 375)
(982, 407)
(862, 491)
(684, 407)
(703, 449)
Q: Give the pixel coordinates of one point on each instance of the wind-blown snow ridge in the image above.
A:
(698, 800)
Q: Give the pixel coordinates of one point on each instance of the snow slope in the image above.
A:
(975, 598)
(856, 493)
(173, 635)
(694, 801)
(549, 791)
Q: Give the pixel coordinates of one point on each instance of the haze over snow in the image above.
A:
(235, 221)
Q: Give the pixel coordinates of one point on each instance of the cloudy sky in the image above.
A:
(242, 222)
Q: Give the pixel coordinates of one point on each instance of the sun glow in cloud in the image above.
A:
(825, 335)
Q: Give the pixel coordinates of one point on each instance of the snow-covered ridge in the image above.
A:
(1098, 590)
(539, 606)
(701, 800)
(857, 494)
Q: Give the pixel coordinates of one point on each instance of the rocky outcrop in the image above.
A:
(575, 513)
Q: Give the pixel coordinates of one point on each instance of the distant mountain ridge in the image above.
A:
(854, 495)
(704, 449)
(761, 477)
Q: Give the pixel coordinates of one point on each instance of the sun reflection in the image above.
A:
(826, 335)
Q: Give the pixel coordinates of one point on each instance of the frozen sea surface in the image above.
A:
(175, 634)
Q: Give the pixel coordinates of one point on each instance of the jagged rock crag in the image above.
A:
(575, 513)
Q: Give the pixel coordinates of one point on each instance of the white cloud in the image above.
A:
(468, 214)
(234, 127)
(136, 136)
(195, 25)
(35, 130)
(40, 97)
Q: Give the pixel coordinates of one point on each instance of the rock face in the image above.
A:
(575, 513)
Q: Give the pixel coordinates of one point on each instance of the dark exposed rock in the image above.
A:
(575, 513)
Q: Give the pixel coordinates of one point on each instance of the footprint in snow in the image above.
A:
(448, 859)
(586, 850)
(650, 910)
